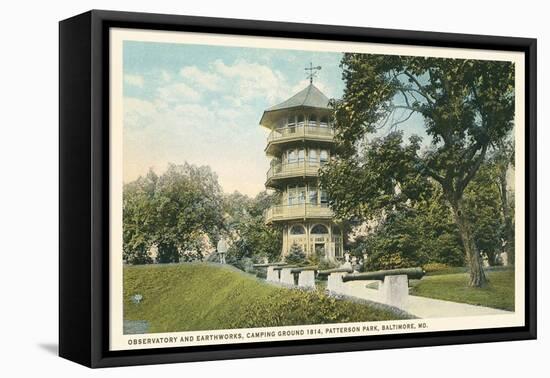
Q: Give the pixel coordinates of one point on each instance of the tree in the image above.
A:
(139, 217)
(414, 234)
(245, 225)
(503, 160)
(467, 107)
(295, 255)
(175, 212)
(188, 201)
(483, 210)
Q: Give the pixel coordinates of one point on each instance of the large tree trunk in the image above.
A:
(477, 275)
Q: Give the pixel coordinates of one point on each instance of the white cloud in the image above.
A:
(253, 80)
(135, 80)
(165, 76)
(205, 80)
(206, 116)
(137, 112)
(178, 93)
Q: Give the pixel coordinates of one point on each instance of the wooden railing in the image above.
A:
(302, 131)
(304, 210)
(301, 168)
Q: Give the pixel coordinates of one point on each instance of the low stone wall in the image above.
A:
(287, 277)
(306, 279)
(392, 291)
(272, 274)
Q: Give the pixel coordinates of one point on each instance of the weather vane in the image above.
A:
(312, 72)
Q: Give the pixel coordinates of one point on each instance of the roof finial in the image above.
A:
(312, 72)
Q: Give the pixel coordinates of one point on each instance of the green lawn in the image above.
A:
(203, 296)
(454, 287)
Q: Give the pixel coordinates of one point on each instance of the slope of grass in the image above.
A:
(197, 296)
(454, 287)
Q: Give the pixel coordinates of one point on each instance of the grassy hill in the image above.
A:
(200, 296)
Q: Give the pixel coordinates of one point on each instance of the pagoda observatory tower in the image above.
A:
(300, 142)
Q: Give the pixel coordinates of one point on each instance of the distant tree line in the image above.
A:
(182, 214)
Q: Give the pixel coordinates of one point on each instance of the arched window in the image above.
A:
(324, 121)
(297, 229)
(301, 120)
(319, 229)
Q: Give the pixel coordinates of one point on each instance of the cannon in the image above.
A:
(267, 265)
(411, 273)
(336, 270)
(280, 267)
(302, 268)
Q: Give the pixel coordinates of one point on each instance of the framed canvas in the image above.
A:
(236, 188)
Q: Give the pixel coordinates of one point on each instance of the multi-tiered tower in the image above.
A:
(300, 142)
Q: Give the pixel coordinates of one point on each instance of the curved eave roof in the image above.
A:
(309, 97)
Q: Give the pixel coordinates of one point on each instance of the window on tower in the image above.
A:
(292, 156)
(324, 197)
(324, 121)
(313, 156)
(313, 196)
(301, 120)
(323, 157)
(291, 121)
(313, 120)
(301, 155)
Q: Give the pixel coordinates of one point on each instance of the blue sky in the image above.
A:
(202, 104)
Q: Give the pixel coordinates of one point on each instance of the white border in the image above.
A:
(118, 341)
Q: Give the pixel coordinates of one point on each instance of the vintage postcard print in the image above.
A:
(266, 189)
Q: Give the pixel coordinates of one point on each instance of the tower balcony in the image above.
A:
(299, 211)
(300, 131)
(290, 170)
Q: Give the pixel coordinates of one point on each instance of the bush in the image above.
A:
(435, 267)
(326, 264)
(389, 261)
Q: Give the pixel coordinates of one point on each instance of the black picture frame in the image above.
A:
(84, 187)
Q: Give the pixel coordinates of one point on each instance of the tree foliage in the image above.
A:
(176, 212)
(467, 107)
(252, 240)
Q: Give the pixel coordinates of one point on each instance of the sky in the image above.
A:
(202, 105)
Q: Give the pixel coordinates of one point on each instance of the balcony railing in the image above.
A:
(300, 168)
(302, 130)
(300, 211)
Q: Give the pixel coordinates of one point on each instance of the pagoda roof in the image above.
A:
(310, 97)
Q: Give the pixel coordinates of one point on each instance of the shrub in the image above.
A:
(435, 267)
(388, 261)
(326, 264)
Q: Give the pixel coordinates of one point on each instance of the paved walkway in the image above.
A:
(424, 307)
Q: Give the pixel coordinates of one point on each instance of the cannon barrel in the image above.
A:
(336, 270)
(268, 265)
(280, 267)
(302, 268)
(412, 273)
